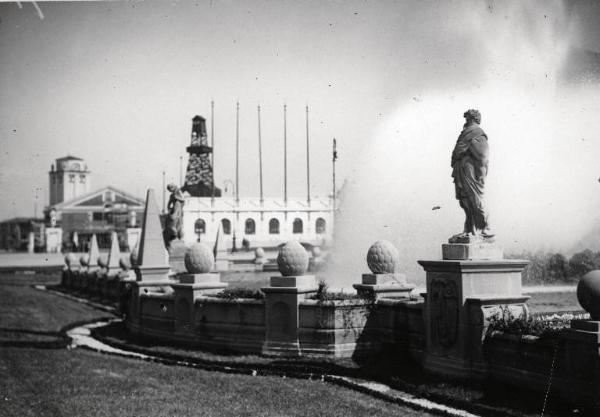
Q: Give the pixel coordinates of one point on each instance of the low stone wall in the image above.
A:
(329, 328)
(96, 283)
(567, 363)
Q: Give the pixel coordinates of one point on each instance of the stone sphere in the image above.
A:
(103, 261)
(133, 257)
(259, 253)
(199, 258)
(588, 293)
(84, 260)
(70, 259)
(382, 257)
(292, 259)
(124, 263)
(316, 251)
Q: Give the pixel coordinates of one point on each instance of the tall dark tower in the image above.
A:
(199, 179)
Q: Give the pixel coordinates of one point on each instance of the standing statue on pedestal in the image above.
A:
(469, 170)
(174, 219)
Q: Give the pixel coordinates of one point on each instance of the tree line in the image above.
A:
(551, 268)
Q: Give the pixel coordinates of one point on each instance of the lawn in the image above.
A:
(553, 302)
(81, 383)
(62, 382)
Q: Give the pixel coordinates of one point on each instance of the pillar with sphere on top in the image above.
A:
(282, 300)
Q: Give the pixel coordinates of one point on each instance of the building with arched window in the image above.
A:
(255, 222)
(320, 226)
(266, 226)
(226, 225)
(297, 226)
(273, 226)
(250, 227)
(200, 227)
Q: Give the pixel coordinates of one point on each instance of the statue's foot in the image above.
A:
(460, 238)
(487, 233)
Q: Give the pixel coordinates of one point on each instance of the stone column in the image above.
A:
(282, 300)
(199, 261)
(469, 285)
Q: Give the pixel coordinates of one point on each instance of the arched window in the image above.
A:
(250, 228)
(297, 226)
(200, 227)
(274, 227)
(226, 224)
(320, 226)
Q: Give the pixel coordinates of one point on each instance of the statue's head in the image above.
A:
(472, 115)
(172, 187)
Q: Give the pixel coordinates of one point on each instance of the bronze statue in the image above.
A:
(174, 219)
(469, 170)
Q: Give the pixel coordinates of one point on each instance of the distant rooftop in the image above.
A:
(22, 220)
(69, 158)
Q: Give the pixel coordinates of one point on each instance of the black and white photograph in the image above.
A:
(300, 208)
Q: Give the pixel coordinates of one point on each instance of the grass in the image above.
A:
(30, 317)
(553, 302)
(61, 382)
(86, 383)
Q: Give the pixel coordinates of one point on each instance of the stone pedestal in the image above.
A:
(139, 289)
(190, 287)
(282, 313)
(461, 296)
(384, 285)
(53, 239)
(153, 273)
(471, 247)
(177, 256)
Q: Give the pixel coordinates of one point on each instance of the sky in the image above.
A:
(117, 84)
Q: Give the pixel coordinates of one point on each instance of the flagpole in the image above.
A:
(334, 158)
(307, 162)
(260, 159)
(237, 153)
(163, 192)
(212, 154)
(285, 198)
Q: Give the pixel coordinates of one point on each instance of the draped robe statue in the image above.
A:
(469, 170)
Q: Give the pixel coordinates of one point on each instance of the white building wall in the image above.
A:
(212, 213)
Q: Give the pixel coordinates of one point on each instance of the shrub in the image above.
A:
(323, 294)
(238, 292)
(541, 325)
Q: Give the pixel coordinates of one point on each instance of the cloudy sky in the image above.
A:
(117, 84)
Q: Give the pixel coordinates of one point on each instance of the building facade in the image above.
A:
(265, 225)
(80, 213)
